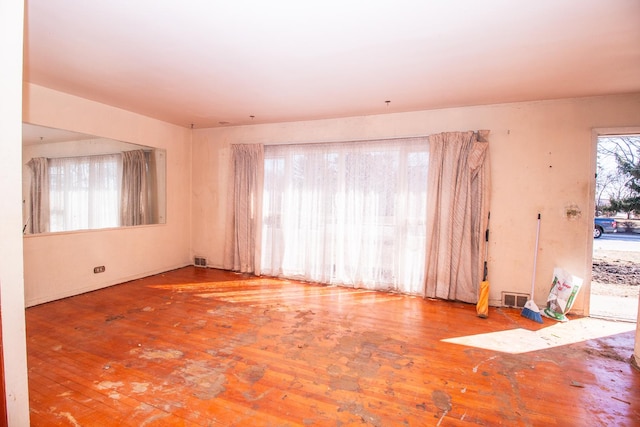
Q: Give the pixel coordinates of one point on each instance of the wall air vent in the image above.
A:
(200, 261)
(512, 299)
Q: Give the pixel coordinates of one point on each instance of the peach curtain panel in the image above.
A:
(457, 206)
(38, 221)
(134, 203)
(244, 209)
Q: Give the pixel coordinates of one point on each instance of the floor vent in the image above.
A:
(510, 299)
(200, 261)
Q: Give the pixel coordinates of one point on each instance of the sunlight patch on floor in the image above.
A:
(199, 286)
(516, 341)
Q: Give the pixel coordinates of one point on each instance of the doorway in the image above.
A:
(616, 247)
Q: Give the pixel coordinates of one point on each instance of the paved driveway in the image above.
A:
(625, 247)
(618, 242)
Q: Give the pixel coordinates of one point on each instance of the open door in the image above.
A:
(616, 245)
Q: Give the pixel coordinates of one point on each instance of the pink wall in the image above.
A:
(61, 264)
(543, 160)
(11, 278)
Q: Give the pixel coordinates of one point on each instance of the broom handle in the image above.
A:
(486, 249)
(535, 258)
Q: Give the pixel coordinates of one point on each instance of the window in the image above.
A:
(84, 192)
(350, 213)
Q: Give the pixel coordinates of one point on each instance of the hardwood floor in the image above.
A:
(202, 347)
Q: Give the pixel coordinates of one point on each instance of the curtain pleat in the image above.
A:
(244, 216)
(134, 205)
(457, 206)
(152, 187)
(38, 221)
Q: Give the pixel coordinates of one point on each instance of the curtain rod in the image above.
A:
(91, 155)
(393, 138)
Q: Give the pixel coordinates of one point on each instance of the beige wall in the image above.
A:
(57, 265)
(543, 160)
(11, 277)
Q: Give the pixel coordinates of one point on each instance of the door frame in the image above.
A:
(595, 134)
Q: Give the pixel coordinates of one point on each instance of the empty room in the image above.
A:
(330, 213)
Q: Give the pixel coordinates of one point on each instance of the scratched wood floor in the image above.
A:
(201, 347)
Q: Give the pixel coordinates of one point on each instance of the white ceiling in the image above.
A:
(33, 134)
(212, 63)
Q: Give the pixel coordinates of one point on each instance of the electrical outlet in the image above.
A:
(99, 269)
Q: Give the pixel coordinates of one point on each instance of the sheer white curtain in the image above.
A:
(84, 192)
(242, 247)
(349, 213)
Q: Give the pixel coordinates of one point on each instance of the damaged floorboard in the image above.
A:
(203, 347)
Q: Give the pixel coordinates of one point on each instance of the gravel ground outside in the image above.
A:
(615, 284)
(616, 273)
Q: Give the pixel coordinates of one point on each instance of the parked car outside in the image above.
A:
(604, 225)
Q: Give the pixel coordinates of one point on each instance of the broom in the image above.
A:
(531, 310)
(482, 307)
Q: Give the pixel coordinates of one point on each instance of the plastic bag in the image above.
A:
(564, 289)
